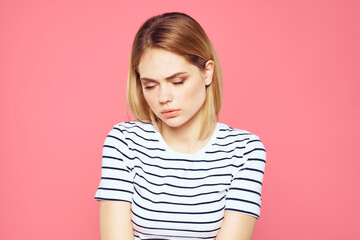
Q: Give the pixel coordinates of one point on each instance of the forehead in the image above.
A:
(159, 63)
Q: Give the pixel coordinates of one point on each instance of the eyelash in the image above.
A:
(148, 87)
(175, 83)
(179, 82)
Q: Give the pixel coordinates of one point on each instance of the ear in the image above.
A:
(209, 72)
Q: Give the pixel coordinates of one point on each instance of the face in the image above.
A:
(174, 89)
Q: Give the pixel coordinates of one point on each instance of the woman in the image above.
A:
(176, 173)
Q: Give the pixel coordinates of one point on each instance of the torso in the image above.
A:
(176, 195)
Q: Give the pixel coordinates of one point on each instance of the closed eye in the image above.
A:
(148, 87)
(179, 82)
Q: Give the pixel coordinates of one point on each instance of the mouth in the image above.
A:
(169, 113)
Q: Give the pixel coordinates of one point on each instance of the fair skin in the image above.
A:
(115, 220)
(173, 85)
(236, 226)
(175, 91)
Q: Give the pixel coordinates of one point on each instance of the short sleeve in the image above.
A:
(244, 194)
(116, 174)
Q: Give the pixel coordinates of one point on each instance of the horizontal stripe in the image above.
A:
(185, 160)
(253, 169)
(222, 151)
(233, 135)
(173, 236)
(116, 179)
(181, 196)
(182, 203)
(170, 221)
(192, 178)
(189, 169)
(118, 139)
(172, 212)
(140, 128)
(248, 179)
(255, 149)
(257, 159)
(242, 200)
(114, 168)
(256, 140)
(228, 129)
(179, 189)
(143, 138)
(242, 211)
(111, 199)
(115, 189)
(174, 229)
(148, 148)
(245, 190)
(232, 142)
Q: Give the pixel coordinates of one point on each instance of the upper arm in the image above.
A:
(116, 172)
(244, 194)
(236, 226)
(115, 220)
(243, 200)
(115, 189)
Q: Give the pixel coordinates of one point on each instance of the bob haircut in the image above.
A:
(180, 34)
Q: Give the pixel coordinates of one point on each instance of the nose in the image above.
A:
(165, 95)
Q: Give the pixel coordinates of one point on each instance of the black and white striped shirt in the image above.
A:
(177, 195)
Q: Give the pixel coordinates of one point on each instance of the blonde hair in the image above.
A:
(182, 35)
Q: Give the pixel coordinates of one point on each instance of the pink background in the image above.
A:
(291, 72)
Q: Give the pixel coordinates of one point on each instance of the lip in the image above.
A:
(168, 113)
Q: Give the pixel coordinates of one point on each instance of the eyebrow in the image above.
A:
(167, 78)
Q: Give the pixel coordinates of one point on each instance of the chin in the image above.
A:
(172, 122)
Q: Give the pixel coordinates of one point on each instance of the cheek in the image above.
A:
(196, 94)
(149, 98)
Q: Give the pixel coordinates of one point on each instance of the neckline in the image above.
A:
(200, 151)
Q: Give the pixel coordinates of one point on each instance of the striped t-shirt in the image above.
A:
(178, 195)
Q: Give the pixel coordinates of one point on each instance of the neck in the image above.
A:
(186, 138)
